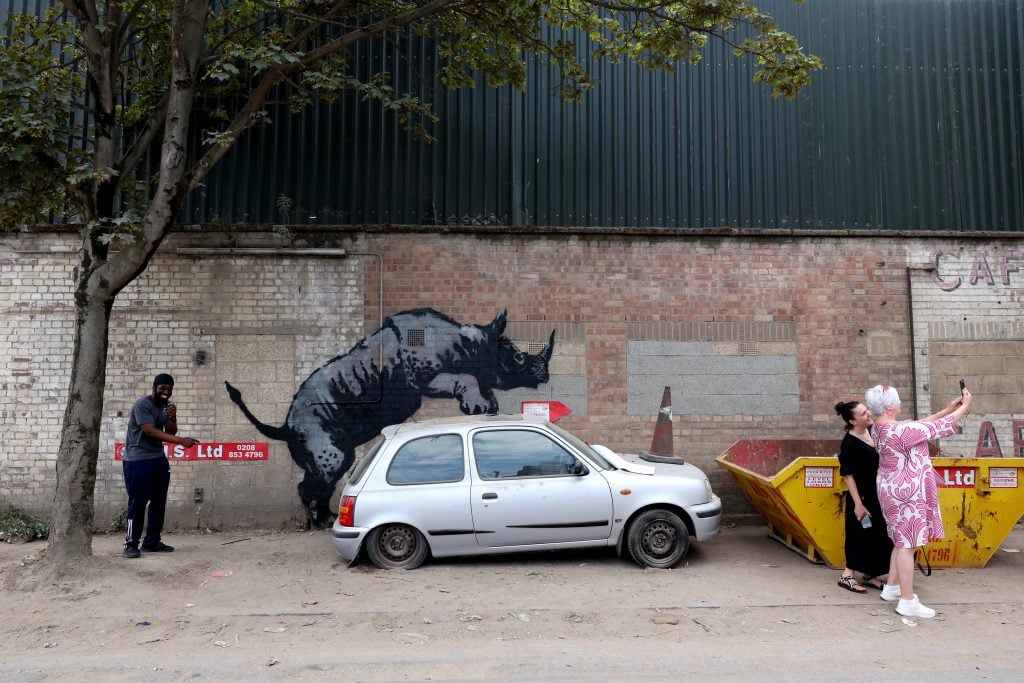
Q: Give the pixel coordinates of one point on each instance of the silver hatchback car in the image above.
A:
(476, 485)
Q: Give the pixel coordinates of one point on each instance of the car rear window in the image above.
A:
(430, 460)
(364, 462)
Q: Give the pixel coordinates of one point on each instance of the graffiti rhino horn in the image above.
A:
(549, 348)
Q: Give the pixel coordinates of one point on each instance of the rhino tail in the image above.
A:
(283, 433)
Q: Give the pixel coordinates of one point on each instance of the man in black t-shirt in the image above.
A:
(147, 473)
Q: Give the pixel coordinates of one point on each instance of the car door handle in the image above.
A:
(489, 496)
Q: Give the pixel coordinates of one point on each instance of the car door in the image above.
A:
(425, 485)
(525, 491)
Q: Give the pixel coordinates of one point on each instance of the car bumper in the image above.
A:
(706, 518)
(347, 540)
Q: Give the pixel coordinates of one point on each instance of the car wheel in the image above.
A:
(396, 546)
(658, 539)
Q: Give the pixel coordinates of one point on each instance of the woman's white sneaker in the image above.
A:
(914, 608)
(890, 592)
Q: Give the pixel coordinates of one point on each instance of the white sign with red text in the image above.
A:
(1002, 477)
(235, 451)
(818, 477)
(552, 411)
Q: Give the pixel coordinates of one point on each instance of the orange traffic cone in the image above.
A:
(661, 444)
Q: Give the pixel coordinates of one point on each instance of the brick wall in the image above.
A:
(831, 314)
(261, 323)
(968, 300)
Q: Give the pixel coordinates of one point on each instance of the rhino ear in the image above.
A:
(497, 326)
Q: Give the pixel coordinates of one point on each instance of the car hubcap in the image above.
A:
(659, 538)
(397, 543)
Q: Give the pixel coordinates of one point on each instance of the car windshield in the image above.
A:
(584, 448)
(372, 450)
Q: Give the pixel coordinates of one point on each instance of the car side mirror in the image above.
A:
(578, 469)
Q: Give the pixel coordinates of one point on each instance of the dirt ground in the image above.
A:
(280, 606)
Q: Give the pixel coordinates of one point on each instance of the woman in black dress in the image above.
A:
(868, 547)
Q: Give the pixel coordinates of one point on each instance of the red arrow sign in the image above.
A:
(552, 411)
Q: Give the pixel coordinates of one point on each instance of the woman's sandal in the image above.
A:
(849, 583)
(869, 582)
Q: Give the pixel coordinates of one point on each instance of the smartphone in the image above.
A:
(962, 387)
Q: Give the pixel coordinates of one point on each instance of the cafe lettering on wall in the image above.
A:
(981, 267)
(235, 451)
(988, 441)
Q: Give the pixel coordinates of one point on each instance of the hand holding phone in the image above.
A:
(963, 386)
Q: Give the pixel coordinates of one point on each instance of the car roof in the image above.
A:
(461, 423)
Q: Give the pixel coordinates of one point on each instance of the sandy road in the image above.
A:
(280, 606)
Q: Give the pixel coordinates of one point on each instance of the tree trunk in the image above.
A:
(73, 505)
(100, 279)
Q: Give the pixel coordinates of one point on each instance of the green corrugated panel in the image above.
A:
(917, 122)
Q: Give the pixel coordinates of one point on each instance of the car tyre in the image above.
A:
(396, 546)
(658, 539)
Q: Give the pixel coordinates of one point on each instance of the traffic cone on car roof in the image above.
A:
(661, 444)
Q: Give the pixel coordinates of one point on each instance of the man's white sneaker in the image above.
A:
(914, 608)
(890, 593)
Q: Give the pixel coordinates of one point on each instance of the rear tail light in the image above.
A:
(347, 511)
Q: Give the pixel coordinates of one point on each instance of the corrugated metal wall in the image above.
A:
(917, 122)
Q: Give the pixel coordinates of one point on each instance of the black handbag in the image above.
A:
(921, 556)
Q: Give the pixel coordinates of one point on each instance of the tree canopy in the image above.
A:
(88, 88)
(97, 100)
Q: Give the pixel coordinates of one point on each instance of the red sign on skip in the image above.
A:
(227, 452)
(956, 477)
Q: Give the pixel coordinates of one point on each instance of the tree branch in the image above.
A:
(314, 25)
(141, 144)
(259, 94)
(382, 26)
(131, 16)
(188, 25)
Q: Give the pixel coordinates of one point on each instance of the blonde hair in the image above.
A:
(880, 397)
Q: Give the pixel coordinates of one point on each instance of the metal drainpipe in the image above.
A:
(913, 344)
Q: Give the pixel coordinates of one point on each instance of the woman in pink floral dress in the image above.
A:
(908, 487)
